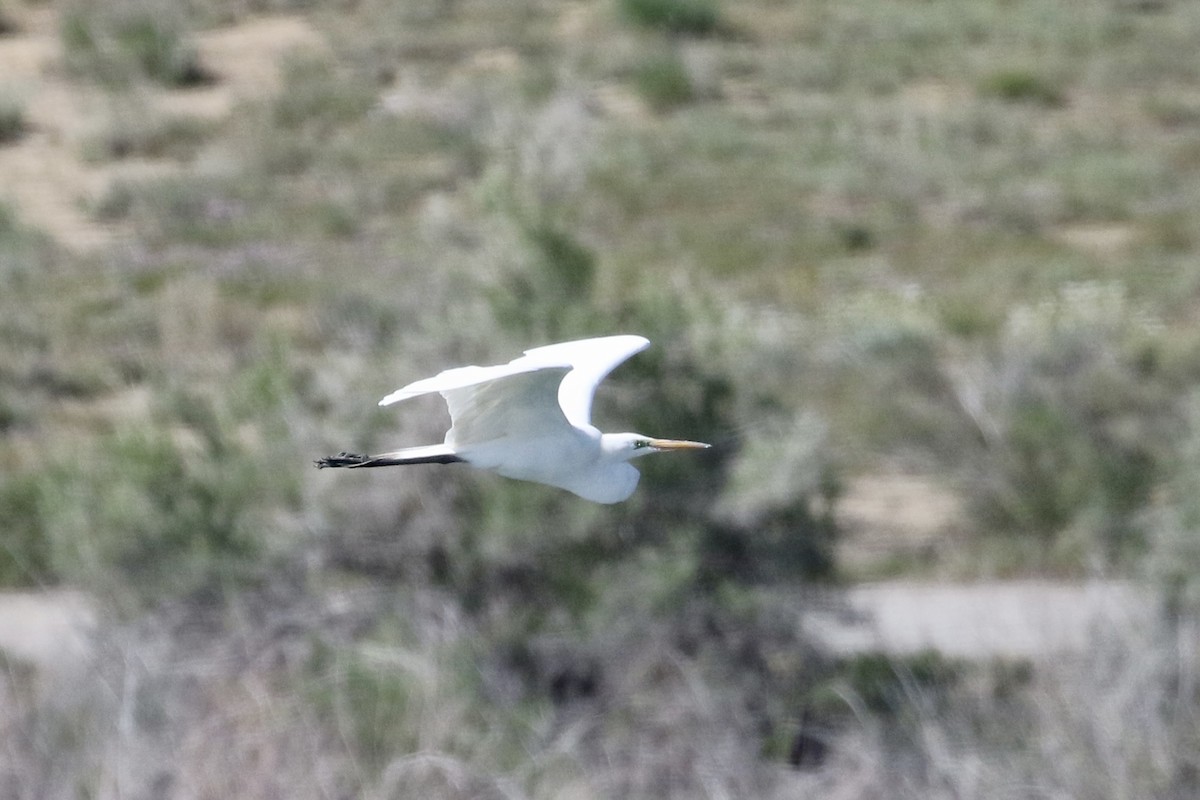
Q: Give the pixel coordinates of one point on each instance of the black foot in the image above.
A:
(342, 459)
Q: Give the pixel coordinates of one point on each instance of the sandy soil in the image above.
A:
(1003, 619)
(888, 516)
(48, 630)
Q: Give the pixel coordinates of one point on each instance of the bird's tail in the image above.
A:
(429, 454)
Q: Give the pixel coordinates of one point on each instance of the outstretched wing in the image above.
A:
(590, 360)
(540, 393)
(521, 407)
(487, 404)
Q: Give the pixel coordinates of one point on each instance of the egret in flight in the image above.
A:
(530, 419)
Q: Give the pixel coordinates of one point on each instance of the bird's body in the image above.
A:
(530, 419)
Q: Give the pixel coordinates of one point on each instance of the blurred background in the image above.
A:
(925, 272)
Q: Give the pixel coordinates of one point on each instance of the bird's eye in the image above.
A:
(640, 443)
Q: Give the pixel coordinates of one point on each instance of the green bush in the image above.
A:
(188, 500)
(889, 684)
(142, 516)
(160, 51)
(1024, 86)
(553, 294)
(1077, 423)
(1173, 558)
(692, 17)
(777, 505)
(118, 43)
(319, 97)
(25, 558)
(1057, 427)
(664, 83)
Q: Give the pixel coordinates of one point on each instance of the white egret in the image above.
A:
(530, 419)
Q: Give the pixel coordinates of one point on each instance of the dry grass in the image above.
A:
(308, 695)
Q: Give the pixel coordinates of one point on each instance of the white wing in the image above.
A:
(515, 408)
(590, 360)
(542, 393)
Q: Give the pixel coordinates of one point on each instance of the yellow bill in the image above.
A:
(677, 444)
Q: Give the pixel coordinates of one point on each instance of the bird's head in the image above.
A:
(628, 446)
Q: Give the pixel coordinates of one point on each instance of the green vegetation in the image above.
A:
(25, 560)
(664, 82)
(875, 245)
(136, 133)
(886, 685)
(1021, 85)
(12, 121)
(118, 43)
(692, 17)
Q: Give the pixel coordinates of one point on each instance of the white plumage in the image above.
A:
(530, 419)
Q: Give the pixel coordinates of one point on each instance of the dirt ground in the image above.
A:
(49, 630)
(888, 517)
(994, 619)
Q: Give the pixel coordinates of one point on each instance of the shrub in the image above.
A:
(664, 82)
(1024, 86)
(140, 515)
(177, 503)
(318, 97)
(1075, 420)
(12, 121)
(778, 500)
(883, 683)
(121, 42)
(553, 294)
(160, 50)
(25, 556)
(1173, 559)
(692, 17)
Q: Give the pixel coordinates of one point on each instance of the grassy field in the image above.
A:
(945, 239)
